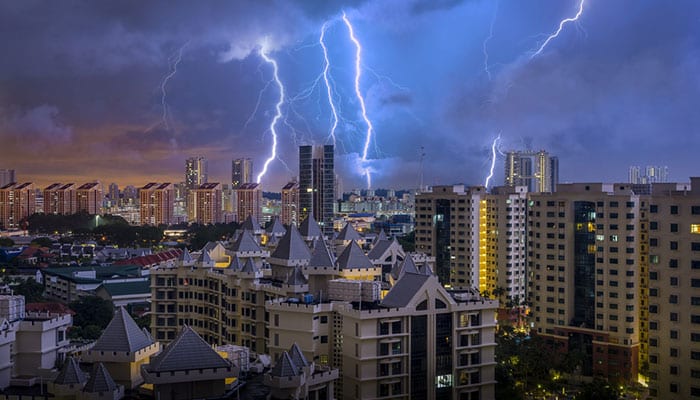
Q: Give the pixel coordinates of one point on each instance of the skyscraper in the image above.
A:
(204, 204)
(290, 204)
(113, 195)
(317, 185)
(157, 203)
(539, 171)
(195, 172)
(7, 176)
(60, 199)
(652, 174)
(248, 201)
(241, 171)
(17, 202)
(89, 198)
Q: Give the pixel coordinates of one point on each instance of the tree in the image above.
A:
(599, 389)
(42, 242)
(92, 314)
(6, 242)
(408, 242)
(32, 290)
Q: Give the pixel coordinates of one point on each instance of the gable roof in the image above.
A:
(292, 247)
(296, 278)
(100, 380)
(348, 233)
(245, 242)
(284, 366)
(379, 237)
(187, 351)
(353, 257)
(251, 224)
(408, 266)
(378, 249)
(404, 289)
(309, 227)
(276, 227)
(204, 258)
(122, 334)
(297, 356)
(185, 256)
(235, 263)
(70, 373)
(321, 256)
(249, 266)
(425, 269)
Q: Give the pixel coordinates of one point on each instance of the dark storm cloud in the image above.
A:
(80, 85)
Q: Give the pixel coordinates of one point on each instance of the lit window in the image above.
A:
(694, 228)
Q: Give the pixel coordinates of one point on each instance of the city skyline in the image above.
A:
(115, 93)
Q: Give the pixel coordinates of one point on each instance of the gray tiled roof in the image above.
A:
(348, 233)
(185, 256)
(147, 333)
(187, 352)
(404, 290)
(292, 247)
(122, 334)
(380, 236)
(251, 224)
(296, 278)
(70, 373)
(204, 257)
(309, 227)
(353, 257)
(276, 227)
(100, 381)
(245, 242)
(209, 247)
(235, 263)
(405, 267)
(321, 256)
(378, 249)
(284, 366)
(249, 266)
(297, 356)
(425, 269)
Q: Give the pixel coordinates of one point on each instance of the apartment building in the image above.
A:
(157, 203)
(89, 198)
(17, 202)
(587, 255)
(60, 199)
(204, 204)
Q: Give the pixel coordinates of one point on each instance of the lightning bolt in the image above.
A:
(486, 41)
(326, 67)
(278, 108)
(173, 61)
(561, 26)
(494, 149)
(358, 93)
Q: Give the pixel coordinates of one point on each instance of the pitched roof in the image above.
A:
(127, 288)
(348, 233)
(147, 333)
(292, 247)
(122, 334)
(378, 249)
(321, 256)
(284, 366)
(309, 227)
(297, 356)
(380, 236)
(425, 269)
(404, 289)
(407, 266)
(187, 352)
(235, 263)
(185, 256)
(100, 380)
(245, 242)
(70, 373)
(249, 266)
(251, 224)
(353, 257)
(276, 227)
(296, 278)
(204, 257)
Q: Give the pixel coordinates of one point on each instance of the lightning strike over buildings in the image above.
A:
(278, 108)
(326, 67)
(173, 61)
(494, 149)
(561, 26)
(358, 93)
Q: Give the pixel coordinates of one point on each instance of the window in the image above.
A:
(695, 283)
(653, 208)
(674, 281)
(674, 210)
(674, 245)
(653, 225)
(674, 227)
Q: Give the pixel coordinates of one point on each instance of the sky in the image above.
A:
(125, 91)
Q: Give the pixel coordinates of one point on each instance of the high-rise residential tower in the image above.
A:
(652, 174)
(157, 203)
(290, 204)
(317, 184)
(89, 198)
(241, 171)
(17, 202)
(539, 170)
(204, 204)
(196, 172)
(248, 201)
(60, 199)
(7, 176)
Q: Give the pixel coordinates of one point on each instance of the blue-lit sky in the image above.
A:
(81, 99)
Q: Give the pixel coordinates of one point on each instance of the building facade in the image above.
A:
(317, 185)
(537, 170)
(157, 203)
(17, 202)
(241, 171)
(196, 172)
(204, 205)
(289, 213)
(7, 176)
(89, 198)
(60, 199)
(248, 201)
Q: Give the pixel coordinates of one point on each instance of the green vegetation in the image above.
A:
(408, 242)
(201, 234)
(92, 314)
(32, 291)
(6, 242)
